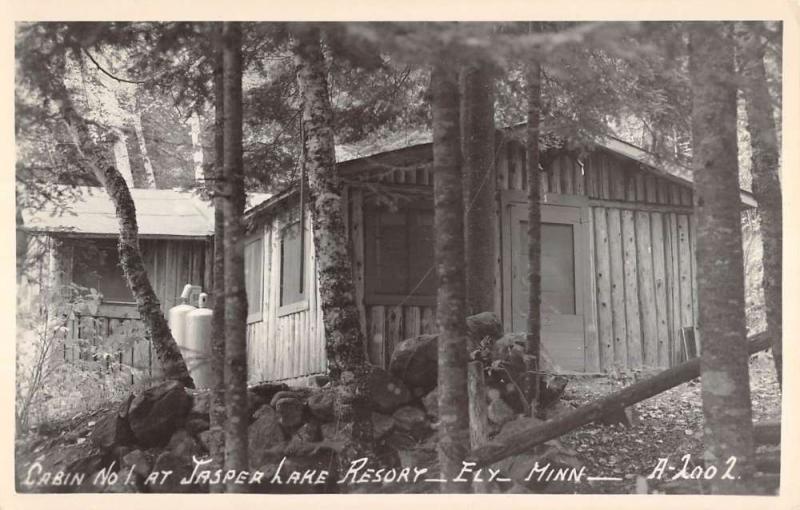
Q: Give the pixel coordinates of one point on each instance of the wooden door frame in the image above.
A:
(584, 283)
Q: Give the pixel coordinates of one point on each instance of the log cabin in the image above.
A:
(618, 270)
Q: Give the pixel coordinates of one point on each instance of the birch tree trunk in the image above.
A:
(534, 229)
(478, 149)
(344, 340)
(766, 178)
(197, 148)
(236, 457)
(216, 419)
(720, 273)
(136, 120)
(450, 299)
(92, 149)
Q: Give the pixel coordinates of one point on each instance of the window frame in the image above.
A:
(256, 316)
(301, 304)
(370, 257)
(76, 242)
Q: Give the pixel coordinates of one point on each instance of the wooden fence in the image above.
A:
(114, 344)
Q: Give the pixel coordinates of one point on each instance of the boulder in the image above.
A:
(254, 402)
(319, 380)
(431, 403)
(414, 361)
(196, 425)
(385, 392)
(290, 412)
(332, 433)
(183, 445)
(111, 431)
(499, 412)
(412, 420)
(483, 325)
(268, 390)
(285, 394)
(382, 425)
(321, 405)
(157, 412)
(139, 461)
(181, 468)
(264, 433)
(201, 402)
(310, 432)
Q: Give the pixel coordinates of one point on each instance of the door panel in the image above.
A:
(563, 274)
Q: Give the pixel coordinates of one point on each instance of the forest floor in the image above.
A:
(669, 425)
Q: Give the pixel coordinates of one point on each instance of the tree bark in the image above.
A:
(450, 299)
(478, 149)
(344, 340)
(92, 149)
(236, 457)
(216, 446)
(524, 440)
(720, 280)
(766, 179)
(533, 79)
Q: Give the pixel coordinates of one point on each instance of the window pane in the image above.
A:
(421, 269)
(558, 268)
(292, 289)
(253, 260)
(392, 254)
(96, 266)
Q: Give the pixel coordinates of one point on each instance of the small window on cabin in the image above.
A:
(96, 266)
(292, 281)
(253, 277)
(399, 255)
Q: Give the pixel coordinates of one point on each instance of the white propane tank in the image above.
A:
(176, 318)
(198, 344)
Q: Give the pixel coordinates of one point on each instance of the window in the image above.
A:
(292, 278)
(96, 266)
(253, 277)
(399, 256)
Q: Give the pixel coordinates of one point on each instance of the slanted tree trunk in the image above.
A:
(478, 149)
(93, 150)
(766, 178)
(534, 229)
(720, 266)
(216, 419)
(236, 424)
(448, 206)
(344, 340)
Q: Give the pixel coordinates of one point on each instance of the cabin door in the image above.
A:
(564, 265)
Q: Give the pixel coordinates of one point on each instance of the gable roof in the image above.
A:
(159, 213)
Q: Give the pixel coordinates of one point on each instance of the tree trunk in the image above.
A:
(96, 157)
(136, 120)
(450, 299)
(197, 147)
(236, 457)
(478, 149)
(766, 178)
(720, 278)
(344, 340)
(216, 446)
(534, 230)
(524, 440)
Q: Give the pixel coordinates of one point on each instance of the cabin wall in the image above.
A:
(285, 343)
(641, 253)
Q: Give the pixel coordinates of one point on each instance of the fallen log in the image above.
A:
(524, 440)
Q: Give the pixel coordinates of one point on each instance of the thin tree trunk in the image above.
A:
(216, 446)
(197, 148)
(344, 340)
(766, 179)
(236, 457)
(136, 120)
(97, 159)
(478, 149)
(534, 230)
(720, 278)
(450, 300)
(122, 159)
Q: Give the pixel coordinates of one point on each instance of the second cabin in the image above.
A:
(618, 271)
